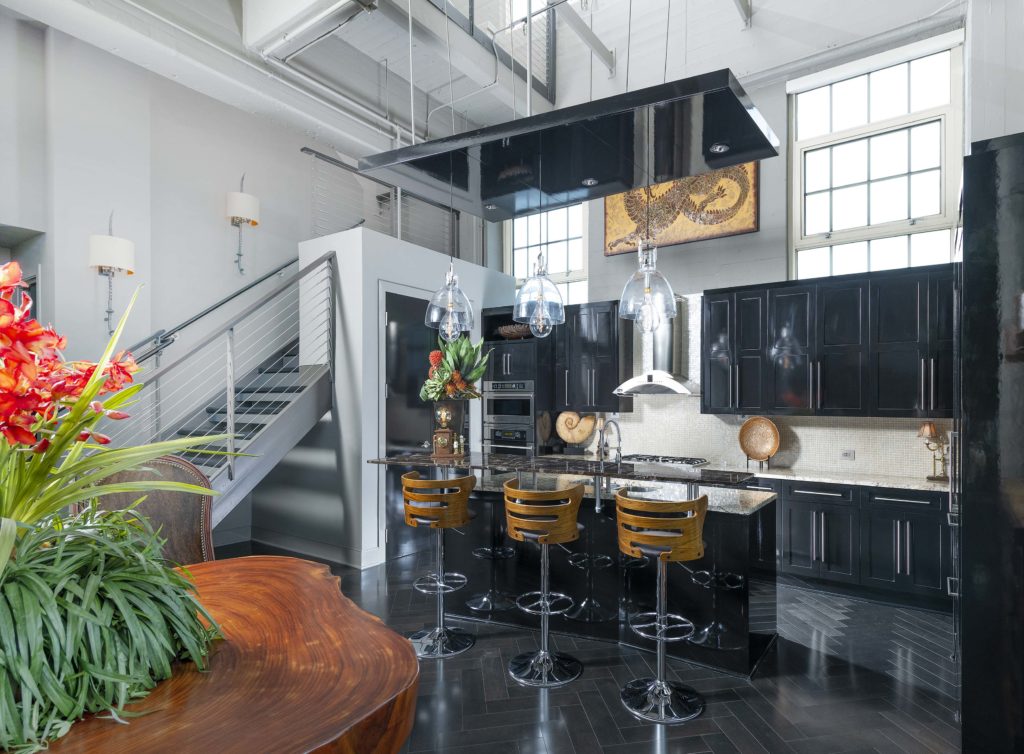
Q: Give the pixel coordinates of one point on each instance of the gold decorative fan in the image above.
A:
(573, 428)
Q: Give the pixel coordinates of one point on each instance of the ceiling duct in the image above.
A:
(587, 151)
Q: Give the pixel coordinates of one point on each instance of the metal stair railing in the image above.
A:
(238, 377)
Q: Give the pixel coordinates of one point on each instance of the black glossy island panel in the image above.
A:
(730, 594)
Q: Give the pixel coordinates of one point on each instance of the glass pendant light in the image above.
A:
(449, 310)
(538, 302)
(647, 299)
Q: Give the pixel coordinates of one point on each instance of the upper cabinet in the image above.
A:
(593, 356)
(879, 344)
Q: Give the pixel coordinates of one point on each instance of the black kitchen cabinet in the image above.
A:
(735, 330)
(876, 344)
(905, 551)
(821, 540)
(512, 360)
(593, 356)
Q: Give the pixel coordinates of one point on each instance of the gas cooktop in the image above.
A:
(670, 460)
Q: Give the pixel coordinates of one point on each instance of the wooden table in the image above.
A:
(302, 669)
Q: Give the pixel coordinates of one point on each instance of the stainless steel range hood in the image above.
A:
(586, 151)
(665, 356)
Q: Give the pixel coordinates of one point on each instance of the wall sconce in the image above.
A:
(242, 209)
(110, 254)
(936, 442)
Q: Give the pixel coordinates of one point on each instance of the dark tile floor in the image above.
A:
(846, 675)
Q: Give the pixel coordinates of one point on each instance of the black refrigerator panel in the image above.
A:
(991, 465)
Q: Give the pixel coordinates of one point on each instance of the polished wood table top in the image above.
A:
(301, 669)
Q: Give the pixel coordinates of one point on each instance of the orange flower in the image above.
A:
(436, 357)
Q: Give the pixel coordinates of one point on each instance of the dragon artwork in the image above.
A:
(693, 197)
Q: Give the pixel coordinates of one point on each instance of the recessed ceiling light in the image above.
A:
(490, 206)
(589, 182)
(719, 148)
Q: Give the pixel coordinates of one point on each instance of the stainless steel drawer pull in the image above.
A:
(909, 547)
(881, 499)
(817, 492)
(899, 554)
(931, 381)
(952, 586)
(814, 536)
(819, 384)
(953, 519)
(756, 487)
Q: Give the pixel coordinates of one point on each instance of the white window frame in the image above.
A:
(950, 117)
(576, 276)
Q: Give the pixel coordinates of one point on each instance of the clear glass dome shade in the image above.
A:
(450, 310)
(647, 298)
(539, 304)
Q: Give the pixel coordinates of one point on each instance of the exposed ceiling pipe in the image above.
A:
(305, 26)
(370, 118)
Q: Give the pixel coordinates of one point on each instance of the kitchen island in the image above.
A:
(729, 594)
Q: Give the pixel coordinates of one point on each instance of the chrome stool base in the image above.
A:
(490, 602)
(434, 643)
(661, 702)
(544, 669)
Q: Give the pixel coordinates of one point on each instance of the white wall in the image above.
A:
(995, 69)
(346, 522)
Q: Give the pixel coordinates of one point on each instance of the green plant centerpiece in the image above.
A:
(91, 616)
(455, 368)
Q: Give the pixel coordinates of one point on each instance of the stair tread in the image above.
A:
(256, 405)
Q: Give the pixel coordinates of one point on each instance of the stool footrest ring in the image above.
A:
(533, 603)
(429, 583)
(670, 627)
(584, 561)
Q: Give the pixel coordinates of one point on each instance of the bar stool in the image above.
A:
(548, 518)
(440, 504)
(671, 531)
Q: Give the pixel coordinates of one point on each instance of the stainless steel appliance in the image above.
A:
(509, 402)
(510, 439)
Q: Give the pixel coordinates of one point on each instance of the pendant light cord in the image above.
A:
(668, 25)
(629, 41)
(452, 230)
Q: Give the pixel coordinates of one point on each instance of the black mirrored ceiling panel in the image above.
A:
(587, 151)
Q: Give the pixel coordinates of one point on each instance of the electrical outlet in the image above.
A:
(848, 455)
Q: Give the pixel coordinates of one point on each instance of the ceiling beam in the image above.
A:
(568, 15)
(745, 9)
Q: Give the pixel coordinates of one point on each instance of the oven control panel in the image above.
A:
(509, 435)
(509, 387)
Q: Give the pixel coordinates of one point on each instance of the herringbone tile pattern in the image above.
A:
(845, 676)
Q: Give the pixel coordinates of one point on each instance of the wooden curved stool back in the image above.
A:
(437, 503)
(547, 517)
(672, 530)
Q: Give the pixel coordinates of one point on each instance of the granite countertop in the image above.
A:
(838, 476)
(720, 499)
(573, 465)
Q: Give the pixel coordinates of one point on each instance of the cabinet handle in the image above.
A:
(566, 401)
(819, 384)
(756, 487)
(906, 554)
(952, 586)
(931, 381)
(880, 499)
(817, 492)
(899, 552)
(823, 536)
(954, 469)
(736, 370)
(814, 536)
(924, 406)
(593, 388)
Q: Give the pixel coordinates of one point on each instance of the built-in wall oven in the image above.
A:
(509, 417)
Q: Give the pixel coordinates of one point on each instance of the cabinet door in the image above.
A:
(898, 342)
(717, 396)
(800, 538)
(570, 375)
(839, 548)
(840, 370)
(791, 315)
(496, 362)
(751, 333)
(941, 311)
(880, 530)
(601, 358)
(520, 360)
(924, 548)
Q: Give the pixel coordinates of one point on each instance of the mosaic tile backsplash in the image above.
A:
(674, 425)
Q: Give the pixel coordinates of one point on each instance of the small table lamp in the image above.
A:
(936, 442)
(110, 254)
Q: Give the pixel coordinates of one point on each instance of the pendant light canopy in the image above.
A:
(538, 302)
(647, 299)
(450, 310)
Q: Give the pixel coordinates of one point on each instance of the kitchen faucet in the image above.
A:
(602, 448)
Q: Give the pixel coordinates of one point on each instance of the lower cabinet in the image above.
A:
(820, 540)
(887, 539)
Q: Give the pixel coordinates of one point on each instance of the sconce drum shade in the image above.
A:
(112, 252)
(245, 206)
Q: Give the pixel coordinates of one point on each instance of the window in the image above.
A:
(561, 235)
(874, 156)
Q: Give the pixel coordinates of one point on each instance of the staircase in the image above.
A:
(260, 373)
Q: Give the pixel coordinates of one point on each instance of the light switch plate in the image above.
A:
(848, 455)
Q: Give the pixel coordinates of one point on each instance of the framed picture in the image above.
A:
(725, 202)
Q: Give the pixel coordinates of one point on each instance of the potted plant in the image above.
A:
(91, 616)
(451, 380)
